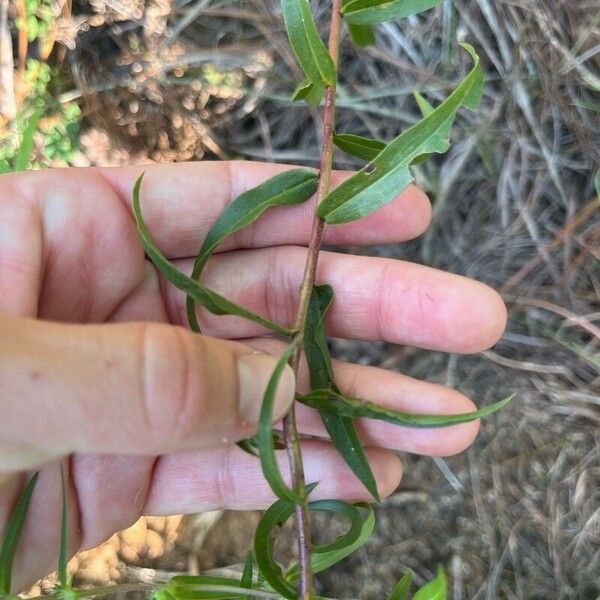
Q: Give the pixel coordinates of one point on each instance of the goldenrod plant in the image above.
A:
(386, 172)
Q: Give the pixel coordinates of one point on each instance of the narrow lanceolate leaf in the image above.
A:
(356, 145)
(266, 444)
(423, 104)
(291, 187)
(306, 42)
(264, 538)
(315, 340)
(203, 587)
(325, 556)
(247, 573)
(400, 592)
(311, 93)
(388, 173)
(211, 301)
(434, 590)
(425, 109)
(369, 12)
(330, 401)
(362, 35)
(368, 149)
(341, 430)
(12, 534)
(63, 556)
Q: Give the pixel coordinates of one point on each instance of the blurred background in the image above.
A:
(516, 205)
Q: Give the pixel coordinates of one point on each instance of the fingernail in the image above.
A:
(254, 372)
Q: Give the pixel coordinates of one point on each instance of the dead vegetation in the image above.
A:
(518, 515)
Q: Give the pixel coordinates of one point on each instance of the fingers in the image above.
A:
(130, 389)
(375, 299)
(181, 202)
(404, 394)
(20, 257)
(109, 493)
(395, 391)
(231, 479)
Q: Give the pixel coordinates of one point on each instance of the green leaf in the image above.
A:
(264, 538)
(63, 557)
(388, 174)
(210, 300)
(356, 145)
(434, 590)
(203, 587)
(249, 446)
(341, 430)
(423, 104)
(362, 35)
(12, 533)
(328, 400)
(400, 592)
(426, 109)
(266, 445)
(311, 93)
(370, 12)
(246, 580)
(315, 340)
(285, 189)
(344, 437)
(27, 141)
(307, 44)
(325, 556)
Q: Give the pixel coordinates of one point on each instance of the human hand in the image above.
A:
(96, 370)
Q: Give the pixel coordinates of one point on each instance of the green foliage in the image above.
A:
(47, 130)
(247, 575)
(362, 35)
(434, 590)
(38, 19)
(331, 401)
(210, 300)
(356, 145)
(325, 556)
(370, 12)
(265, 432)
(310, 92)
(388, 173)
(400, 592)
(341, 429)
(264, 539)
(306, 43)
(286, 189)
(12, 534)
(63, 557)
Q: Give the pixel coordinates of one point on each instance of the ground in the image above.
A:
(518, 515)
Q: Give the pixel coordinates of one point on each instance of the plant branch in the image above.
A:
(290, 429)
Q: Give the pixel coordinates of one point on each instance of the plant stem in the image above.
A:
(292, 442)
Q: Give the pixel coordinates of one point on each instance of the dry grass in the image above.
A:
(518, 515)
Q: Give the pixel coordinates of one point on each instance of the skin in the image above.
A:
(97, 369)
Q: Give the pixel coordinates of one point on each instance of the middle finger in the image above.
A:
(375, 299)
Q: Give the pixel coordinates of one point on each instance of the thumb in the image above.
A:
(125, 389)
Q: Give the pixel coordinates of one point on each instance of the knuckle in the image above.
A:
(173, 389)
(226, 480)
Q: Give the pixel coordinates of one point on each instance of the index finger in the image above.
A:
(181, 202)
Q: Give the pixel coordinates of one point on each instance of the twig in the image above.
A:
(290, 429)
